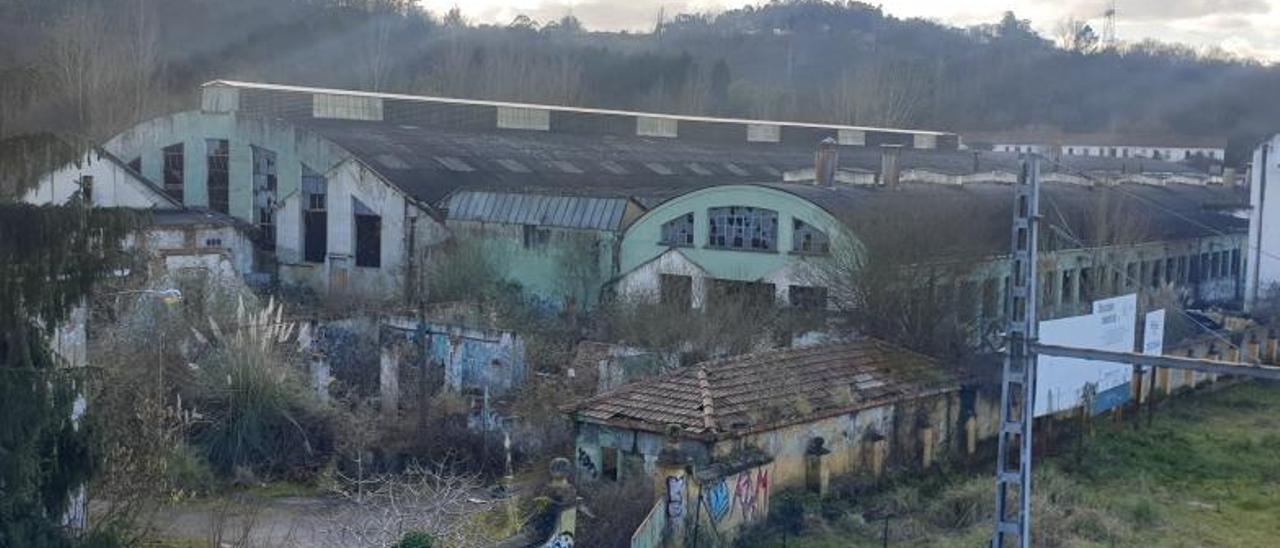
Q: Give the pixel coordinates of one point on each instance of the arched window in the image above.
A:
(678, 232)
(741, 227)
(806, 238)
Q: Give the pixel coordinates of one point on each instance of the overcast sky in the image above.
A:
(1245, 27)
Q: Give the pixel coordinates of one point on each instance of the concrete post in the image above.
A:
(879, 450)
(1252, 349)
(671, 484)
(971, 435)
(817, 475)
(928, 446)
(564, 500)
(389, 379)
(1214, 354)
(1269, 355)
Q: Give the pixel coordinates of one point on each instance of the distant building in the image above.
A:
(1156, 147)
(355, 192)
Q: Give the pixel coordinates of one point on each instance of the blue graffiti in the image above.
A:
(719, 500)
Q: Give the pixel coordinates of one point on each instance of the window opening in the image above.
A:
(264, 194)
(174, 171)
(806, 238)
(741, 227)
(218, 177)
(368, 236)
(678, 232)
(315, 219)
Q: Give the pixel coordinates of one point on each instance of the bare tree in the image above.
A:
(1076, 35)
(433, 499)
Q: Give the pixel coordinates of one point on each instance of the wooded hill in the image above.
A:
(92, 67)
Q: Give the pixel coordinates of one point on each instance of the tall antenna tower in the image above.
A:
(1109, 25)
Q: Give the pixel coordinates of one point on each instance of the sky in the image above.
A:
(1249, 28)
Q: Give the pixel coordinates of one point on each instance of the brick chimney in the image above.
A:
(889, 166)
(825, 163)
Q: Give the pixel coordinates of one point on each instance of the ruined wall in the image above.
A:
(562, 267)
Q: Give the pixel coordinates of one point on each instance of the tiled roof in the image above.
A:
(767, 390)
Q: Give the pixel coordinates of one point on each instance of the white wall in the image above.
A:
(1264, 222)
(113, 185)
(350, 179)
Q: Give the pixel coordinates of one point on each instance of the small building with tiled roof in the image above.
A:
(864, 403)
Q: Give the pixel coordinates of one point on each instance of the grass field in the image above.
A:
(1205, 473)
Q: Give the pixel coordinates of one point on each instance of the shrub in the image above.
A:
(416, 539)
(257, 414)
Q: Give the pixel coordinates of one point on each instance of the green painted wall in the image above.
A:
(641, 243)
(572, 264)
(192, 128)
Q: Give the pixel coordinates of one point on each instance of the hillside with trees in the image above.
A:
(92, 67)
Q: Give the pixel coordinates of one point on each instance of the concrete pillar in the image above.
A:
(320, 376)
(672, 485)
(1252, 349)
(971, 435)
(928, 447)
(817, 473)
(1214, 354)
(389, 379)
(1269, 352)
(879, 450)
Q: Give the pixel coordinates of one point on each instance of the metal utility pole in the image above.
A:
(1017, 398)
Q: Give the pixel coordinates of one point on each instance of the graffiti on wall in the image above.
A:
(748, 499)
(719, 500)
(561, 540)
(675, 497)
(585, 463)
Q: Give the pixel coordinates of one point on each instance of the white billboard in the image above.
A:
(1062, 384)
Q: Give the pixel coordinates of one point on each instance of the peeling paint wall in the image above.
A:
(473, 358)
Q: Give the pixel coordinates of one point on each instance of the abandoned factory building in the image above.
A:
(781, 417)
(354, 192)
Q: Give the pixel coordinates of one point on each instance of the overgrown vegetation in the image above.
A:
(1200, 475)
(50, 258)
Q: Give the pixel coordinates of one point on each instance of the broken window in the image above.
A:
(1235, 262)
(264, 194)
(368, 235)
(1068, 286)
(1193, 270)
(740, 227)
(675, 290)
(1182, 269)
(731, 293)
(1155, 272)
(1086, 284)
(535, 237)
(217, 155)
(315, 218)
(609, 463)
(678, 232)
(808, 298)
(1206, 265)
(173, 171)
(1130, 275)
(806, 238)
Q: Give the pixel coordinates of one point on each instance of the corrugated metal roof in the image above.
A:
(538, 209)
